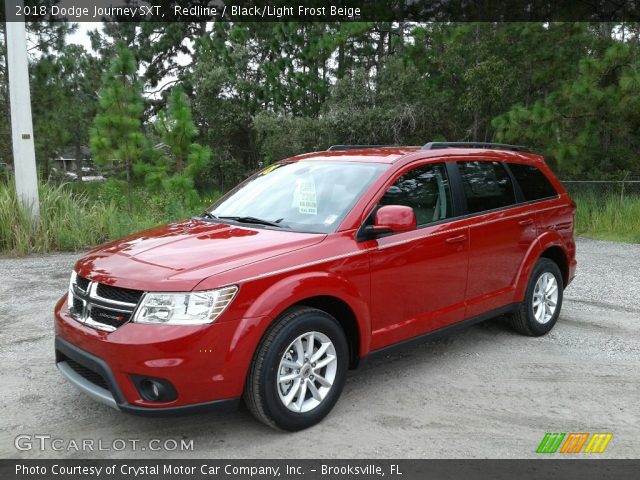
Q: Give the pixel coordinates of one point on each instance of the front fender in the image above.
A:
(284, 293)
(295, 289)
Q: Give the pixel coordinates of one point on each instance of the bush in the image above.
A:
(67, 222)
(608, 216)
(78, 216)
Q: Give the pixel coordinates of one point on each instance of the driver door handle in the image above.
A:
(456, 239)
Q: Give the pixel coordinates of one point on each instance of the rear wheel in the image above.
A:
(298, 371)
(539, 311)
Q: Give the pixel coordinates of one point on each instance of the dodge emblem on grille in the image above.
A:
(117, 318)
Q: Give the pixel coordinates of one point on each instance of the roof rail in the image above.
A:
(496, 146)
(337, 148)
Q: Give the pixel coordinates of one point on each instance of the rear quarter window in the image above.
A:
(487, 185)
(533, 183)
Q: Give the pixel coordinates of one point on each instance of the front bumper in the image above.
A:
(206, 365)
(91, 375)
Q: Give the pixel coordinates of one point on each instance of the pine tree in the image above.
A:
(183, 159)
(588, 126)
(117, 138)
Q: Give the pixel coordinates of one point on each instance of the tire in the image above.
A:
(529, 319)
(277, 359)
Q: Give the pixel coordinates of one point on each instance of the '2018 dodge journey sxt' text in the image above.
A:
(311, 266)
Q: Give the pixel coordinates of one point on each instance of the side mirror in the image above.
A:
(392, 219)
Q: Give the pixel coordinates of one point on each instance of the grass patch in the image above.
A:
(608, 216)
(79, 216)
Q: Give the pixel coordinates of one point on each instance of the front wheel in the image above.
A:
(298, 371)
(539, 311)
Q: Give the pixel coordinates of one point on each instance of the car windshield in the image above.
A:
(312, 196)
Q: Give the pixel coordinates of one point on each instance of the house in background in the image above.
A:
(66, 161)
(66, 165)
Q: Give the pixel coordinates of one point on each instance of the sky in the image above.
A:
(81, 36)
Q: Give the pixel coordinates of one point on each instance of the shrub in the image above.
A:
(78, 216)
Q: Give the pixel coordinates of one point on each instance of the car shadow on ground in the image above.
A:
(374, 375)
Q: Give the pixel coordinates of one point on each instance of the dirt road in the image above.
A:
(484, 392)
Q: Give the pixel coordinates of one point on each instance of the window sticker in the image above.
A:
(305, 196)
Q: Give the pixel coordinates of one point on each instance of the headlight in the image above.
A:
(72, 280)
(191, 308)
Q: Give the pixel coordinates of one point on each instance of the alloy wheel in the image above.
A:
(545, 298)
(306, 372)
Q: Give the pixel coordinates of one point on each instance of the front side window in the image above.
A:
(426, 190)
(487, 186)
(307, 196)
(533, 183)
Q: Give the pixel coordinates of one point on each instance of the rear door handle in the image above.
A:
(525, 222)
(456, 239)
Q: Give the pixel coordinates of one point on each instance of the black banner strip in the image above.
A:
(583, 469)
(322, 10)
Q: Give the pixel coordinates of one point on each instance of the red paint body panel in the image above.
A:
(397, 287)
(499, 243)
(395, 218)
(176, 257)
(420, 278)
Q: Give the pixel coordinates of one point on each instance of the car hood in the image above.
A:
(180, 255)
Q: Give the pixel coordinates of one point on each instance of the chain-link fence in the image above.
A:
(623, 188)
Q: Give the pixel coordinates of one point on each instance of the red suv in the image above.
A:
(308, 268)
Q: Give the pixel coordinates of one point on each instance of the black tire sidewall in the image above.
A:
(544, 265)
(306, 322)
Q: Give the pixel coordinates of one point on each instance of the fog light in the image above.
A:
(150, 389)
(154, 389)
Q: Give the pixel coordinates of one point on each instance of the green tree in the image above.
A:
(48, 106)
(589, 125)
(80, 73)
(64, 101)
(181, 159)
(117, 138)
(473, 72)
(46, 41)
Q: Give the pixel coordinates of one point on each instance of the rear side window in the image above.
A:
(533, 183)
(426, 190)
(487, 185)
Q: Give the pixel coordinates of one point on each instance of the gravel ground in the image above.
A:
(483, 393)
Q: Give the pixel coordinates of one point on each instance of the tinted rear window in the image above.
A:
(533, 183)
(487, 185)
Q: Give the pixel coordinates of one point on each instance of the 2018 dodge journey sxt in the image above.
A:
(309, 267)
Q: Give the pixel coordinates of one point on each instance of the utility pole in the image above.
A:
(24, 156)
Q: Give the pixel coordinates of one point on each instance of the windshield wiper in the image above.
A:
(207, 215)
(255, 220)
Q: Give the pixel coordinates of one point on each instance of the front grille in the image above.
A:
(102, 306)
(77, 306)
(109, 317)
(87, 373)
(82, 283)
(118, 294)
